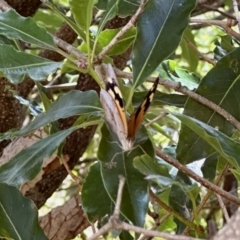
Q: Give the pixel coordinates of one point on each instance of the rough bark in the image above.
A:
(64, 222)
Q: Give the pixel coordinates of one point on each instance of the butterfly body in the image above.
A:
(115, 115)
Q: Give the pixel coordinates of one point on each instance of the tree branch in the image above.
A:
(206, 197)
(178, 88)
(226, 25)
(236, 10)
(197, 178)
(115, 223)
(130, 24)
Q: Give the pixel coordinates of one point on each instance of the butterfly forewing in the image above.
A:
(137, 117)
(113, 105)
(113, 89)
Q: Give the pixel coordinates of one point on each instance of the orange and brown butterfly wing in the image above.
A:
(113, 89)
(137, 117)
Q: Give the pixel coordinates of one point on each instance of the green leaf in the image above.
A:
(80, 32)
(180, 202)
(222, 86)
(7, 41)
(19, 216)
(13, 25)
(82, 12)
(225, 146)
(26, 164)
(155, 41)
(69, 104)
(125, 8)
(157, 171)
(125, 235)
(43, 94)
(236, 174)
(110, 12)
(169, 223)
(168, 70)
(209, 168)
(188, 53)
(115, 162)
(15, 65)
(223, 47)
(48, 19)
(95, 208)
(123, 43)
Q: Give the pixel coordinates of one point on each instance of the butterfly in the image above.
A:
(115, 114)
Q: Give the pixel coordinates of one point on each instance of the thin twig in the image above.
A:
(4, 6)
(223, 207)
(107, 227)
(163, 219)
(170, 210)
(178, 88)
(226, 25)
(113, 219)
(63, 159)
(163, 114)
(203, 56)
(197, 178)
(129, 25)
(69, 48)
(200, 2)
(116, 223)
(128, 227)
(236, 10)
(119, 196)
(217, 10)
(207, 196)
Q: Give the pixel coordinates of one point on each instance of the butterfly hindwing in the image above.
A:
(137, 117)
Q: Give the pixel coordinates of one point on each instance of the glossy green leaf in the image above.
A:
(222, 86)
(69, 104)
(155, 41)
(19, 216)
(225, 146)
(115, 162)
(13, 25)
(26, 164)
(15, 65)
(100, 206)
(82, 12)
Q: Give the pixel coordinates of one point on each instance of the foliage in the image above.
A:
(188, 130)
